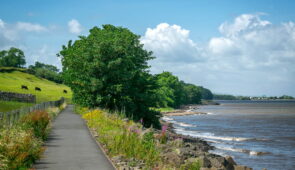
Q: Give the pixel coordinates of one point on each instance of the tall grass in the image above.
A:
(124, 138)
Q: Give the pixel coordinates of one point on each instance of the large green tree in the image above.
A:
(108, 68)
(13, 57)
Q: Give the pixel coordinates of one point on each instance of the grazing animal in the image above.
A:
(37, 88)
(25, 87)
(65, 91)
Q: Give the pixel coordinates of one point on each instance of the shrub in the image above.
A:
(21, 144)
(19, 148)
(194, 165)
(38, 121)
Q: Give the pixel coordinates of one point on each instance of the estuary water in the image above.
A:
(258, 134)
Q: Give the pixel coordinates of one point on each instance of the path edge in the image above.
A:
(98, 144)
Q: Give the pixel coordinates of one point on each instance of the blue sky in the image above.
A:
(230, 46)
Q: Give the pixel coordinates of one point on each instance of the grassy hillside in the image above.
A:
(13, 79)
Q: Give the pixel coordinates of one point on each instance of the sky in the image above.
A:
(229, 46)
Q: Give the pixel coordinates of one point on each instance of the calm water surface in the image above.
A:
(259, 134)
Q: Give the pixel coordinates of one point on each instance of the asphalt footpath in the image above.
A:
(70, 146)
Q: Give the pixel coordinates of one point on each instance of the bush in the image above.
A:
(19, 148)
(191, 166)
(38, 121)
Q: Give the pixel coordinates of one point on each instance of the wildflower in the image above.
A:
(164, 128)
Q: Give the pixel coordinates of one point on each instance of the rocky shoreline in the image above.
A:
(195, 149)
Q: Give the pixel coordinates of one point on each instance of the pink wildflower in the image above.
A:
(164, 128)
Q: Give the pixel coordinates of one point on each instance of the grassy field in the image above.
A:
(13, 80)
(164, 109)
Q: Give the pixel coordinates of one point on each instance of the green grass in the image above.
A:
(6, 106)
(12, 80)
(164, 109)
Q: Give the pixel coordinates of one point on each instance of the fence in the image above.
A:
(10, 96)
(9, 118)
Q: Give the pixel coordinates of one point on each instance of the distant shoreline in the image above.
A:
(189, 109)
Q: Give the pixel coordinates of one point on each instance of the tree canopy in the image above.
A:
(108, 68)
(13, 57)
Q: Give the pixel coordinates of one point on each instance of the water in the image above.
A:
(259, 134)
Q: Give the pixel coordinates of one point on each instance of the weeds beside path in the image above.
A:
(70, 146)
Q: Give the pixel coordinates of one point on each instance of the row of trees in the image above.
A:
(232, 97)
(108, 68)
(46, 71)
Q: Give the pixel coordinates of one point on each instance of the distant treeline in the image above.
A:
(232, 97)
(46, 71)
(172, 92)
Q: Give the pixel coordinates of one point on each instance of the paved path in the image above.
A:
(70, 146)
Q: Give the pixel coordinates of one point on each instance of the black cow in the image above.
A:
(37, 88)
(65, 91)
(25, 87)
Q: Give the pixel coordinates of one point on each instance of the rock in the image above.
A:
(116, 159)
(204, 161)
(218, 162)
(177, 151)
(172, 158)
(213, 168)
(124, 168)
(230, 160)
(241, 167)
(230, 163)
(187, 153)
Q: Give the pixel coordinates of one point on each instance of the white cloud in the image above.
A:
(26, 26)
(242, 23)
(251, 56)
(11, 33)
(74, 26)
(171, 43)
(2, 24)
(31, 38)
(254, 43)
